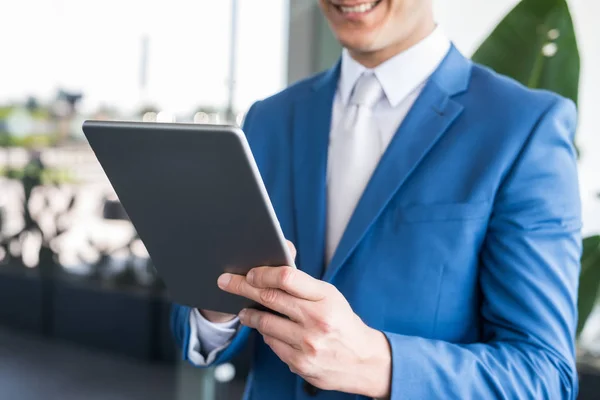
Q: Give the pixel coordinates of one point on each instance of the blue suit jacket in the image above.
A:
(464, 249)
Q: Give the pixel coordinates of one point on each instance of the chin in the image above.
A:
(356, 27)
(363, 39)
(357, 45)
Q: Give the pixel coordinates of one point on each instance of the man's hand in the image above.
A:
(323, 340)
(219, 317)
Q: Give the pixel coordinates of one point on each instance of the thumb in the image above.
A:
(292, 249)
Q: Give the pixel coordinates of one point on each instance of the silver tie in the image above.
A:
(354, 152)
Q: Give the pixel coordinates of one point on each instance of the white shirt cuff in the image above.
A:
(207, 338)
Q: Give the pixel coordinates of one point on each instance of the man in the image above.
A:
(434, 205)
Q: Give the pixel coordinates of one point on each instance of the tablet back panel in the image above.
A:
(194, 195)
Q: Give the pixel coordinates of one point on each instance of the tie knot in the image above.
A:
(367, 91)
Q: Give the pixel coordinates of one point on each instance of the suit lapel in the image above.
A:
(431, 115)
(312, 122)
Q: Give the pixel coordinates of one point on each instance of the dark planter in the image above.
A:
(589, 382)
(21, 298)
(117, 320)
(113, 210)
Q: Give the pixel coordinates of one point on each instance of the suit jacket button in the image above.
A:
(310, 389)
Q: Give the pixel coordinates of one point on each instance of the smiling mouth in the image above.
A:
(356, 9)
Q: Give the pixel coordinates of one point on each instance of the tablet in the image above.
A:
(196, 198)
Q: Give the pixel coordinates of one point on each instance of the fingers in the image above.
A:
(272, 325)
(292, 249)
(284, 351)
(291, 280)
(271, 298)
(298, 363)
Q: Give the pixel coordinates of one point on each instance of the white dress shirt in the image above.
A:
(402, 78)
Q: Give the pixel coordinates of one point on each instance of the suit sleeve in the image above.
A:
(528, 281)
(180, 315)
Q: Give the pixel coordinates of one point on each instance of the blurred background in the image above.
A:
(82, 314)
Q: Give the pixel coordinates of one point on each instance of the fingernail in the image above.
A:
(250, 276)
(242, 314)
(223, 280)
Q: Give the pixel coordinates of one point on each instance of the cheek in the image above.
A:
(324, 6)
(394, 20)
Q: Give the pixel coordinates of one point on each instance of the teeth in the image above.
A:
(361, 8)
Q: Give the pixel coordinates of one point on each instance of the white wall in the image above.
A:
(468, 22)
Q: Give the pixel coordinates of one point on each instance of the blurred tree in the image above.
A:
(32, 104)
(65, 109)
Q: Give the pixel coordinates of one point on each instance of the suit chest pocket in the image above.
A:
(424, 249)
(436, 234)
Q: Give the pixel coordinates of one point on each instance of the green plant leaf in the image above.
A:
(589, 280)
(590, 244)
(516, 47)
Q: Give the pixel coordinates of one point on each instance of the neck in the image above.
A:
(372, 59)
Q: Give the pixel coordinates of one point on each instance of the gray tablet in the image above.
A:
(195, 196)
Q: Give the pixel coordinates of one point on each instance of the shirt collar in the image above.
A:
(401, 74)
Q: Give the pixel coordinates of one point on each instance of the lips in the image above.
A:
(355, 7)
(349, 3)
